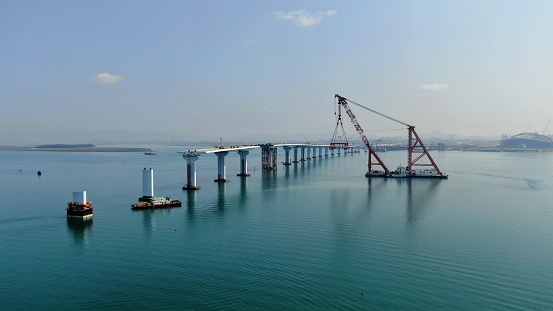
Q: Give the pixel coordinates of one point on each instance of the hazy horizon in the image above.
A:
(122, 137)
(230, 69)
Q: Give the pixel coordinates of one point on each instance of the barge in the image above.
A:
(403, 172)
(154, 203)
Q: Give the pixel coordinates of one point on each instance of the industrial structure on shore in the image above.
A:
(527, 140)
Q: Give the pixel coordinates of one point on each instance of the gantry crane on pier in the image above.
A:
(415, 152)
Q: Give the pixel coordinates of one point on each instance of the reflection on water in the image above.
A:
(79, 229)
(149, 218)
(268, 179)
(191, 199)
(221, 197)
(417, 200)
(243, 191)
(287, 170)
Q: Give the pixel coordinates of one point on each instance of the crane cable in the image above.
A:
(373, 111)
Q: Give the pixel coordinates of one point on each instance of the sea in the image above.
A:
(316, 235)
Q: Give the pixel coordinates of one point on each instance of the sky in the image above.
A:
(237, 68)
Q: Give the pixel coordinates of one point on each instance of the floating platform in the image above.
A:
(155, 203)
(79, 210)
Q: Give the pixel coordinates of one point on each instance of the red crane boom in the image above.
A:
(372, 154)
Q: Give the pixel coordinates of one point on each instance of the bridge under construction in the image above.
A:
(417, 153)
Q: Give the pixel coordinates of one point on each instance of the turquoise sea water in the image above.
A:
(315, 236)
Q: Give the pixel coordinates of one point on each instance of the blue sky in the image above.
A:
(231, 68)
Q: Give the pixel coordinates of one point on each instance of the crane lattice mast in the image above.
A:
(372, 153)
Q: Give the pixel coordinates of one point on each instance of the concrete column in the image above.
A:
(296, 154)
(243, 163)
(326, 151)
(302, 153)
(221, 168)
(287, 155)
(147, 183)
(320, 151)
(309, 152)
(191, 158)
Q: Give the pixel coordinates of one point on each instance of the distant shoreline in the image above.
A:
(79, 149)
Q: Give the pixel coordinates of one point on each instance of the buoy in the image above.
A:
(38, 173)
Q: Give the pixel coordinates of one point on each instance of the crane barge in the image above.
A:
(415, 152)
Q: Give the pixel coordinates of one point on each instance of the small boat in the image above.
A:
(150, 152)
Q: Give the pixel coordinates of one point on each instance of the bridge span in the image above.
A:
(268, 158)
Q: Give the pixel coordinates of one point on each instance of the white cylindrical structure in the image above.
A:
(148, 182)
(79, 196)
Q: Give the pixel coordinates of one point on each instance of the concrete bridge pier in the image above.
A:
(221, 168)
(243, 163)
(309, 152)
(302, 153)
(287, 155)
(296, 154)
(320, 151)
(191, 158)
(326, 151)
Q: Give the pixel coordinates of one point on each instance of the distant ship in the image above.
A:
(150, 152)
(79, 207)
(156, 202)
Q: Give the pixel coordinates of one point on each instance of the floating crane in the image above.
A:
(415, 152)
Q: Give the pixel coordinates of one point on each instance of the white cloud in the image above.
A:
(304, 18)
(106, 78)
(433, 87)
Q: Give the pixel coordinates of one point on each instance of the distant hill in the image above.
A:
(66, 146)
